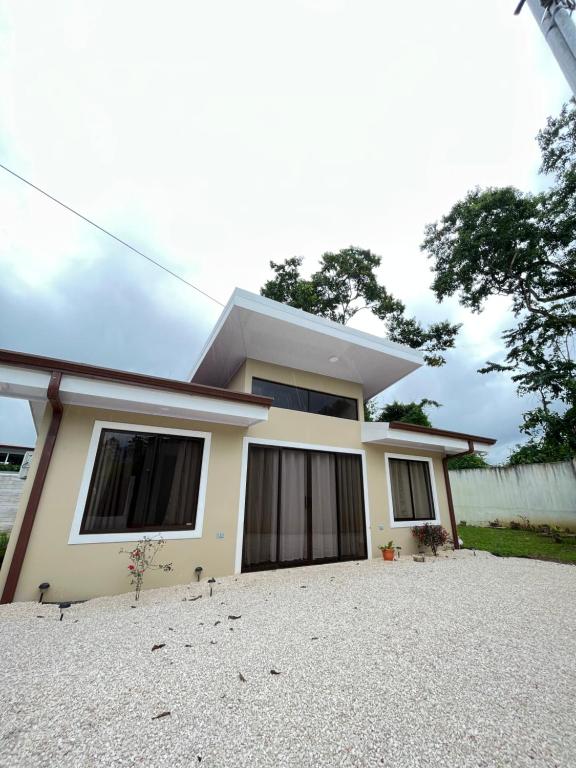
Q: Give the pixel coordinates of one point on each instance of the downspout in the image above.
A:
(449, 490)
(19, 553)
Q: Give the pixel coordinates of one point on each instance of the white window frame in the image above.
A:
(105, 538)
(248, 441)
(411, 523)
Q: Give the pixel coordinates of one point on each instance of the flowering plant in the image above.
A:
(432, 536)
(142, 558)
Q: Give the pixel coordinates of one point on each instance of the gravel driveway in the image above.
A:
(466, 661)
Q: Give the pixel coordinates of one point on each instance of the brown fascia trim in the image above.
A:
(25, 531)
(441, 433)
(11, 448)
(50, 364)
(445, 461)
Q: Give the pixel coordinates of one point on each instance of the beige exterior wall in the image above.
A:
(80, 571)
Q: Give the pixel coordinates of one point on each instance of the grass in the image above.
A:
(506, 542)
(4, 536)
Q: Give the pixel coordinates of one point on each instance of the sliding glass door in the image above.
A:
(302, 507)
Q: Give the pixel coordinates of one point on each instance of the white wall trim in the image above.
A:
(248, 441)
(106, 538)
(411, 523)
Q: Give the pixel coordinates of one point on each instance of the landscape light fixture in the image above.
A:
(63, 607)
(198, 570)
(211, 582)
(43, 587)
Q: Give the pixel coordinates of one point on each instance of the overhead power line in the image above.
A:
(111, 234)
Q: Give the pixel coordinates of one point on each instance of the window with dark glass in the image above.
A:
(411, 490)
(309, 400)
(143, 482)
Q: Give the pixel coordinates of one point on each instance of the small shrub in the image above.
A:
(515, 525)
(4, 537)
(432, 536)
(463, 523)
(142, 559)
(495, 523)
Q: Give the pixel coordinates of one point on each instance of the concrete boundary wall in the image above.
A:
(545, 493)
(11, 485)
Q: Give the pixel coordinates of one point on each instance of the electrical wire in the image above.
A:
(111, 234)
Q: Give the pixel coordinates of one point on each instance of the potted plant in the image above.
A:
(387, 551)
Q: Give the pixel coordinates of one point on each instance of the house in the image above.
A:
(262, 460)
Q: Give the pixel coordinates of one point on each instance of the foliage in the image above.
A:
(142, 559)
(346, 284)
(471, 461)
(432, 536)
(507, 542)
(9, 468)
(390, 545)
(409, 413)
(4, 538)
(522, 246)
(370, 411)
(539, 451)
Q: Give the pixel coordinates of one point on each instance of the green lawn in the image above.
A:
(510, 543)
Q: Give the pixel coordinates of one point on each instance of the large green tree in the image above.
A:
(345, 284)
(409, 413)
(520, 245)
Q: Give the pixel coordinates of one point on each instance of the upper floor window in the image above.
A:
(309, 400)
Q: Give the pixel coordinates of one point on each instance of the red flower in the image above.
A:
(130, 567)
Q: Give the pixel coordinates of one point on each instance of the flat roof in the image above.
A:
(441, 432)
(39, 362)
(253, 326)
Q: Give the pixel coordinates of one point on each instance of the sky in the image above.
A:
(218, 136)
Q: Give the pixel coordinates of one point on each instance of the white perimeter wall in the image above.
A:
(545, 493)
(11, 485)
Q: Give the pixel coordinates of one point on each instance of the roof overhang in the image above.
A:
(98, 392)
(252, 326)
(398, 435)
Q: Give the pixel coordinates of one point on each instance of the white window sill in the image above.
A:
(413, 523)
(135, 536)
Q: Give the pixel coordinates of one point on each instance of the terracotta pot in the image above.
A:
(388, 554)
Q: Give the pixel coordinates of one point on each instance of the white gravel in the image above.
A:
(460, 662)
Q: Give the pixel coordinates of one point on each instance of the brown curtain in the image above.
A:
(351, 505)
(293, 522)
(421, 490)
(112, 486)
(400, 482)
(324, 506)
(144, 481)
(261, 512)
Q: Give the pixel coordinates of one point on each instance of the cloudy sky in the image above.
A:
(216, 136)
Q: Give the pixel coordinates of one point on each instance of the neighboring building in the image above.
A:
(263, 460)
(13, 455)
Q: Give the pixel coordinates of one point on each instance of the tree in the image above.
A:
(346, 284)
(503, 242)
(537, 452)
(409, 413)
(471, 461)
